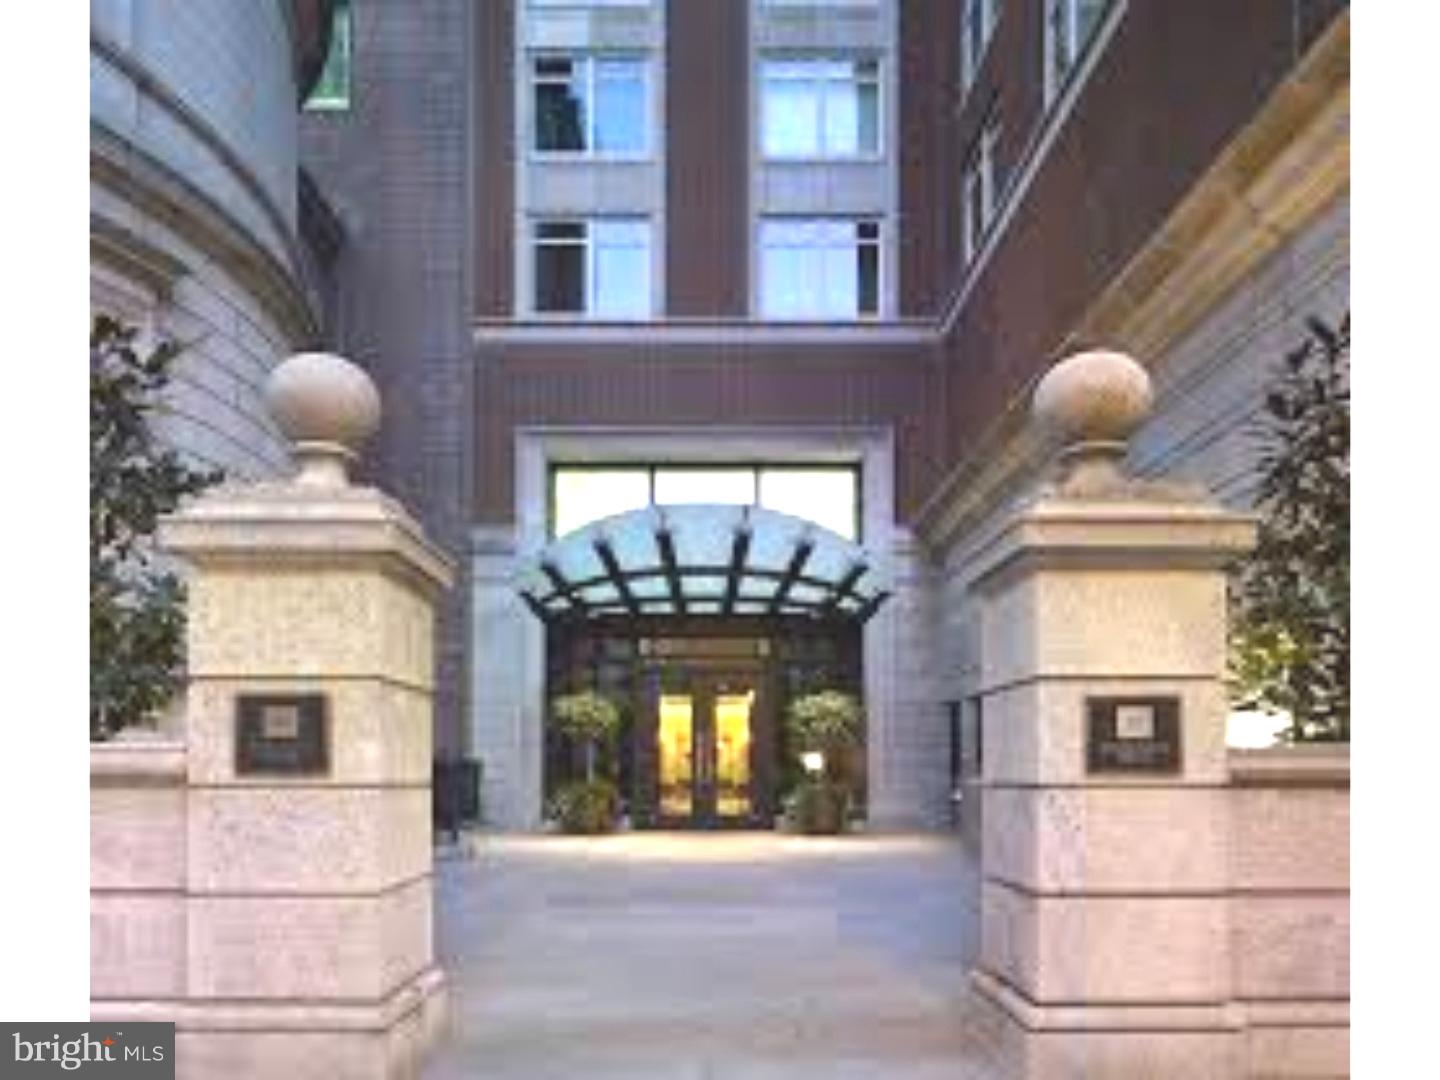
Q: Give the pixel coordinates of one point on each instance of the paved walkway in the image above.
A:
(710, 956)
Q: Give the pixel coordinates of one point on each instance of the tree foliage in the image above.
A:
(828, 720)
(1290, 634)
(137, 612)
(586, 716)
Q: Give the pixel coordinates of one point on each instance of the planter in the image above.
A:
(585, 807)
(818, 808)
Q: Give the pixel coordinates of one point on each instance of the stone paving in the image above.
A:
(663, 955)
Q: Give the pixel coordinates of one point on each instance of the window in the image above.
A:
(820, 108)
(331, 92)
(981, 190)
(824, 494)
(1069, 25)
(819, 268)
(579, 496)
(734, 487)
(828, 495)
(598, 267)
(977, 24)
(590, 106)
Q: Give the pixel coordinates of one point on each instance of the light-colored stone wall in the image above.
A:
(194, 157)
(216, 411)
(229, 65)
(1290, 908)
(137, 870)
(906, 730)
(1209, 384)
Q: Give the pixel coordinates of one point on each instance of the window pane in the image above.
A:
(868, 133)
(680, 486)
(868, 268)
(840, 298)
(814, 269)
(332, 89)
(622, 269)
(790, 114)
(585, 495)
(560, 109)
(620, 107)
(560, 277)
(828, 496)
(1087, 17)
(842, 118)
(788, 280)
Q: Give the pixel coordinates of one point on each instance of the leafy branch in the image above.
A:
(137, 605)
(1290, 631)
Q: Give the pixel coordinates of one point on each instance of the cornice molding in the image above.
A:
(159, 192)
(1289, 164)
(155, 88)
(134, 257)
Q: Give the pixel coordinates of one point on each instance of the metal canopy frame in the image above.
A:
(837, 599)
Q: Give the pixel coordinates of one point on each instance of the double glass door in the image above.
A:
(704, 739)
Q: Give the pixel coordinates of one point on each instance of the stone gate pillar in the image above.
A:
(308, 863)
(1105, 937)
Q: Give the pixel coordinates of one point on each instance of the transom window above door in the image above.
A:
(819, 268)
(828, 495)
(592, 106)
(592, 267)
(821, 109)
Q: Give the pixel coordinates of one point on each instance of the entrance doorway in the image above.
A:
(702, 742)
(704, 749)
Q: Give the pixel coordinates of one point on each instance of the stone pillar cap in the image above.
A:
(1100, 396)
(327, 407)
(1093, 401)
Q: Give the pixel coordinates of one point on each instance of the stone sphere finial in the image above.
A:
(1094, 401)
(1098, 396)
(327, 407)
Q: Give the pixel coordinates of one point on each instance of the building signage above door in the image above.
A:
(281, 734)
(1132, 734)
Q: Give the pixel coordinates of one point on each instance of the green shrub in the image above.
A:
(1290, 627)
(585, 806)
(817, 806)
(827, 721)
(137, 604)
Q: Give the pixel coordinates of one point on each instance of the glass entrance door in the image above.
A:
(675, 750)
(704, 740)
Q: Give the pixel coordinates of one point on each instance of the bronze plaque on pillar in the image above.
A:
(1132, 734)
(281, 734)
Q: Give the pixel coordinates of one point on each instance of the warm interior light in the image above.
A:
(814, 761)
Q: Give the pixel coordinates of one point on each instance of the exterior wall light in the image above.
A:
(814, 762)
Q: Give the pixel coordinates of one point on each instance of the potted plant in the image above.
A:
(590, 805)
(822, 726)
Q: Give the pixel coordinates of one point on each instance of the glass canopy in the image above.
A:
(702, 560)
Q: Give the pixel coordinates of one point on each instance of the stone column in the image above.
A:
(309, 724)
(1105, 936)
(507, 684)
(906, 743)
